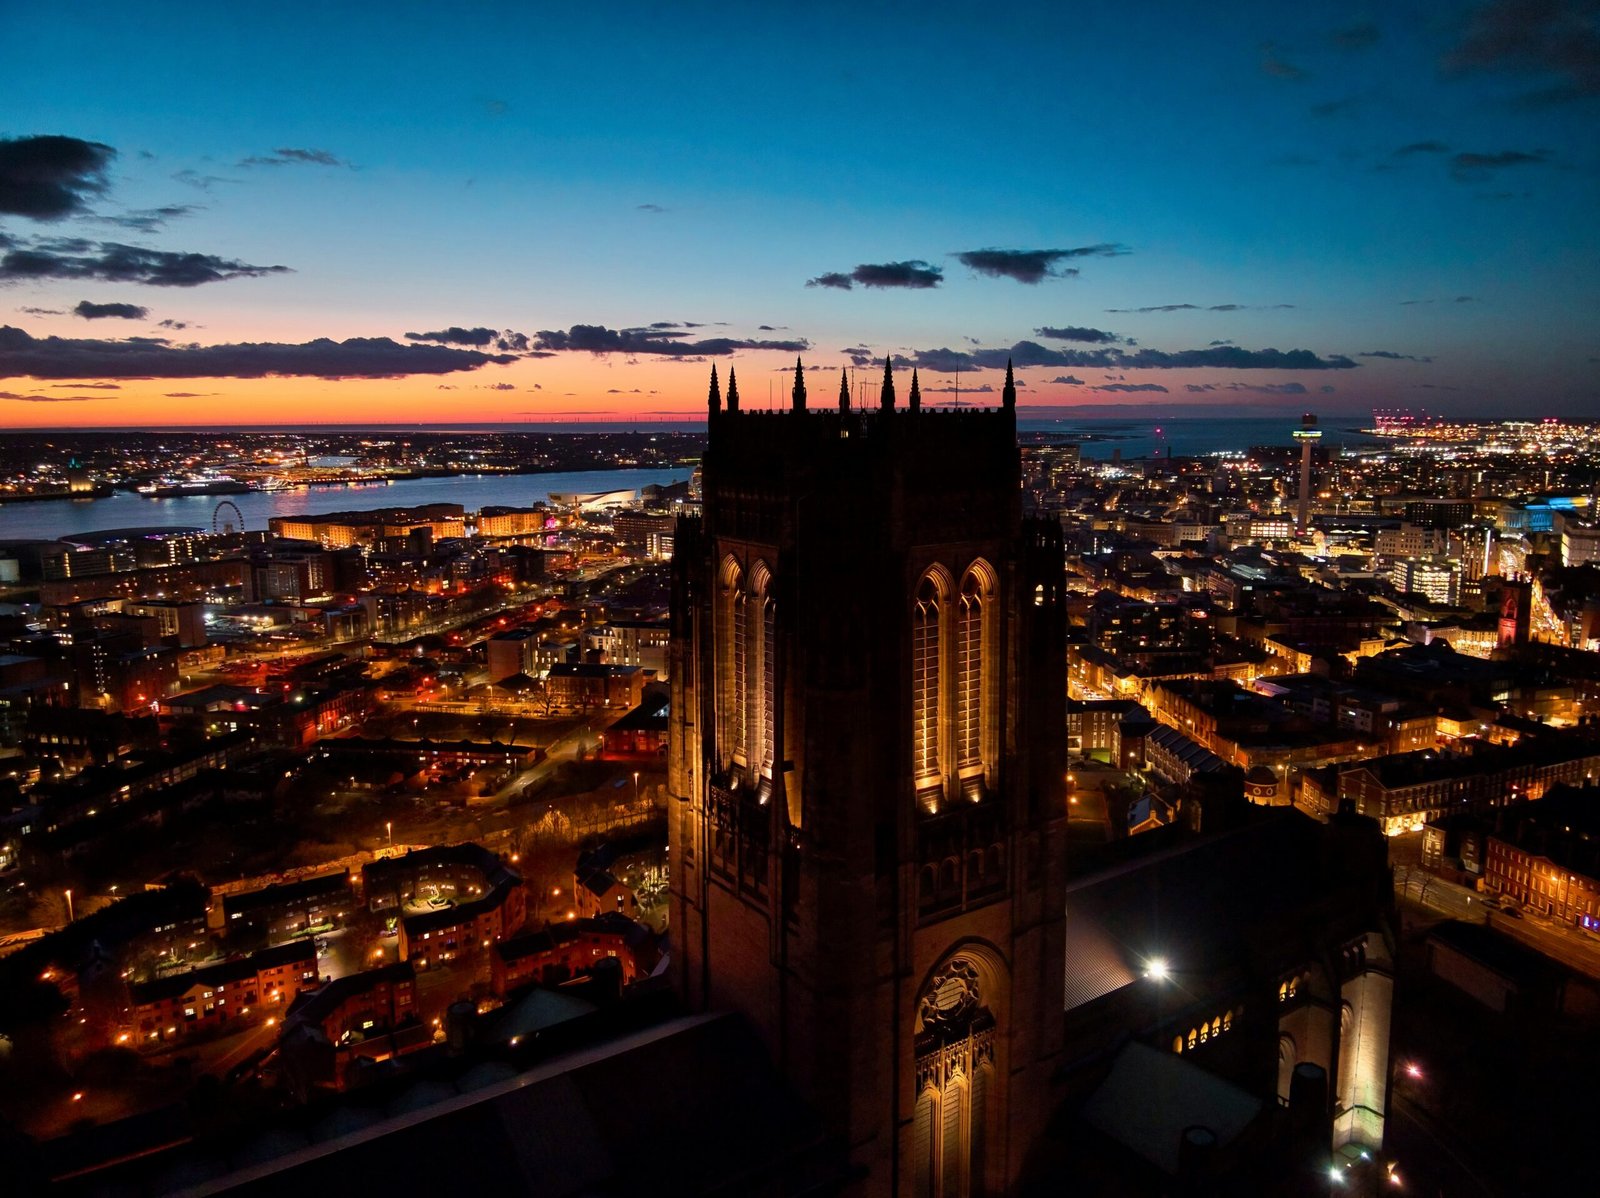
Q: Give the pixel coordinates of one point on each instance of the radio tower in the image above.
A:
(1308, 435)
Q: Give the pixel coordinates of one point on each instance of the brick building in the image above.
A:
(565, 950)
(289, 909)
(248, 990)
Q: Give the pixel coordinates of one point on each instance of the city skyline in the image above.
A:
(218, 219)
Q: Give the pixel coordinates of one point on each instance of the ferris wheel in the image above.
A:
(222, 524)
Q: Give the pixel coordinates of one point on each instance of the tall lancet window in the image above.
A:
(760, 671)
(733, 663)
(769, 683)
(974, 655)
(926, 681)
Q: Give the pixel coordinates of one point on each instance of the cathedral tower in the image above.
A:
(866, 765)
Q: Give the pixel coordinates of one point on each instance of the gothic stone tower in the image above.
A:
(867, 767)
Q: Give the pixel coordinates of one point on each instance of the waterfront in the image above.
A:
(1139, 437)
(1101, 438)
(53, 518)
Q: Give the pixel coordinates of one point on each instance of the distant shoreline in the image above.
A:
(351, 484)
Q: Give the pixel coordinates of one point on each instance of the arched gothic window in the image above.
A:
(769, 682)
(955, 1073)
(926, 681)
(733, 663)
(974, 657)
(759, 651)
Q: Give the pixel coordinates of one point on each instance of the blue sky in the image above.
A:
(1333, 179)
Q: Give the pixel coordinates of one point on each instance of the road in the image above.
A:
(563, 748)
(1432, 891)
(1573, 948)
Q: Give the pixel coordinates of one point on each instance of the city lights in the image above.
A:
(762, 537)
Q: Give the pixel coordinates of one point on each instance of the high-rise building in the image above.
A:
(867, 765)
(1308, 435)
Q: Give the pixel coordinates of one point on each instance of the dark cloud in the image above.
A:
(189, 394)
(1224, 341)
(983, 389)
(1465, 299)
(49, 177)
(914, 273)
(1031, 353)
(1255, 388)
(1467, 167)
(497, 387)
(1363, 35)
(42, 311)
(941, 361)
(24, 356)
(1130, 387)
(1272, 63)
(455, 335)
(86, 386)
(175, 324)
(196, 179)
(1335, 107)
(49, 398)
(93, 311)
(148, 220)
(1074, 332)
(288, 156)
(655, 208)
(1033, 266)
(597, 339)
(1421, 147)
(506, 341)
(1069, 380)
(77, 259)
(1204, 308)
(1392, 356)
(1554, 40)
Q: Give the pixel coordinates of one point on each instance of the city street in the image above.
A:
(1569, 945)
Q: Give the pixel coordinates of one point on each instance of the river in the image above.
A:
(48, 519)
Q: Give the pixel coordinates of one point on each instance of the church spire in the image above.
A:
(714, 401)
(844, 391)
(1008, 397)
(886, 402)
(799, 386)
(733, 391)
(916, 392)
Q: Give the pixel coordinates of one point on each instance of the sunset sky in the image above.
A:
(376, 213)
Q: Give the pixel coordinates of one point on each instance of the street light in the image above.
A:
(388, 830)
(70, 916)
(636, 786)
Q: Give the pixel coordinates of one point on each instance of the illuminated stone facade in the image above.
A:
(867, 761)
